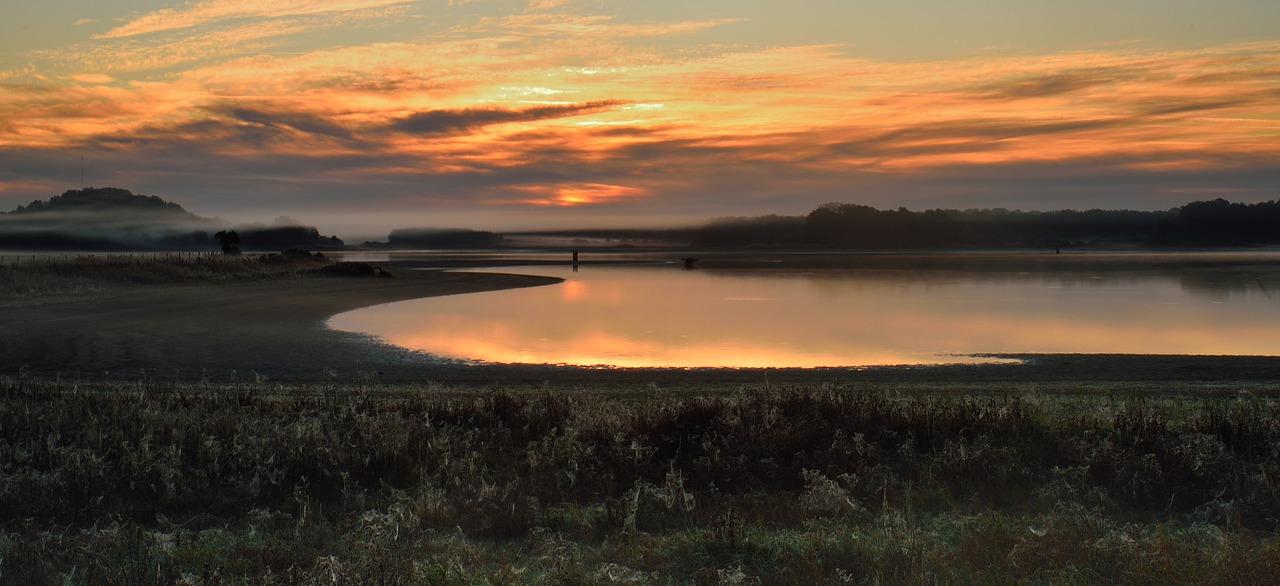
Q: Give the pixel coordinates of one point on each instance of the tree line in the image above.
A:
(1215, 222)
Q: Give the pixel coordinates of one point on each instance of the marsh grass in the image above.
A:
(88, 275)
(157, 481)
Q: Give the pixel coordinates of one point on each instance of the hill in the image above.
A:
(109, 200)
(111, 218)
(104, 218)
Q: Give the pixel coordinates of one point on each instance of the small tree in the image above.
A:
(229, 240)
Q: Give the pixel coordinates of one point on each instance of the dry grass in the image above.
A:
(85, 276)
(162, 482)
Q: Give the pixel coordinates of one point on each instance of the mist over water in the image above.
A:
(660, 316)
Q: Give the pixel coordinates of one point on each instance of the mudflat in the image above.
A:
(272, 328)
(275, 328)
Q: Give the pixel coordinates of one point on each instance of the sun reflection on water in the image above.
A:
(662, 317)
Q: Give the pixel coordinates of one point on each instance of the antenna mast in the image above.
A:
(81, 172)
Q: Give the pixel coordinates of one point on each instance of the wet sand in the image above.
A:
(275, 330)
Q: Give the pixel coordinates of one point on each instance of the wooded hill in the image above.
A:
(111, 218)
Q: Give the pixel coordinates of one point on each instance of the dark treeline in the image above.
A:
(428, 238)
(284, 237)
(1202, 223)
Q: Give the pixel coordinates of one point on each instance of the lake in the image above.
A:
(789, 312)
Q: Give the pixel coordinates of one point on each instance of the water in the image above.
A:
(643, 316)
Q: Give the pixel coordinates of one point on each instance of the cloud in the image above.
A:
(1056, 84)
(570, 27)
(165, 52)
(546, 116)
(468, 119)
(93, 78)
(547, 4)
(1184, 106)
(22, 71)
(965, 137)
(213, 11)
(297, 121)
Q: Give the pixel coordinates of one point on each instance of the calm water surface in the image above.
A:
(637, 316)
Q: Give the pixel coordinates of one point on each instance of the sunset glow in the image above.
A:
(665, 317)
(503, 114)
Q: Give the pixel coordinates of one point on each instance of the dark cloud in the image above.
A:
(301, 122)
(629, 131)
(466, 119)
(1168, 108)
(1043, 86)
(1225, 77)
(961, 137)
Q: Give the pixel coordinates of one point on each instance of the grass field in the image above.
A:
(156, 481)
(88, 275)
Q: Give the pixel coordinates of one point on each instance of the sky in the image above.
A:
(361, 116)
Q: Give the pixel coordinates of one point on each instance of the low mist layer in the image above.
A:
(117, 219)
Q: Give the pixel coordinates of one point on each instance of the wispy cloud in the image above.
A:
(1056, 84)
(213, 11)
(291, 120)
(92, 78)
(23, 71)
(166, 52)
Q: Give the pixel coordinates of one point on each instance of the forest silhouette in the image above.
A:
(1216, 222)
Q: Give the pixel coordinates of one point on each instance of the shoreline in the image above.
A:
(275, 330)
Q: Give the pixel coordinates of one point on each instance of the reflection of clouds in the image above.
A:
(639, 317)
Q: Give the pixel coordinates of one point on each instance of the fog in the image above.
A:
(115, 218)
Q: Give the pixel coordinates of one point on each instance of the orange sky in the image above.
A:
(368, 115)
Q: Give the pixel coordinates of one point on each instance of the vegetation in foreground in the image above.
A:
(162, 482)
